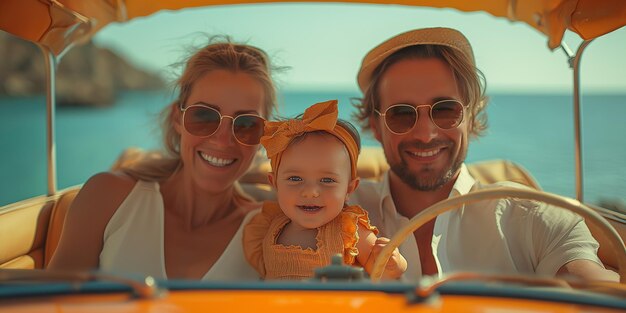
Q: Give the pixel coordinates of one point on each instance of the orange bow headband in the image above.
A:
(320, 116)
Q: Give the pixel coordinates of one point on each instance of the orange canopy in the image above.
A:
(58, 24)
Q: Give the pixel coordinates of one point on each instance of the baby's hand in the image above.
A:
(396, 265)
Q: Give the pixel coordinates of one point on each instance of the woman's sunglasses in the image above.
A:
(203, 121)
(401, 118)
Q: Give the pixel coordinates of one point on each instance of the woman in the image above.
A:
(180, 216)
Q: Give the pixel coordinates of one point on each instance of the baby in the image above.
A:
(313, 162)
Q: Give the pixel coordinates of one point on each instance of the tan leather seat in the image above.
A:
(57, 220)
(34, 227)
(23, 229)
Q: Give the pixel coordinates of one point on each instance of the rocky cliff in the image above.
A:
(87, 75)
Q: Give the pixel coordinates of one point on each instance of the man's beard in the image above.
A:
(427, 179)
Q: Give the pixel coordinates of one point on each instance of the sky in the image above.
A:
(323, 44)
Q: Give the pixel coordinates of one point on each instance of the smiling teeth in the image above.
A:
(425, 154)
(216, 161)
(310, 208)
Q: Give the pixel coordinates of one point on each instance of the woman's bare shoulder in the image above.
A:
(103, 193)
(90, 212)
(115, 179)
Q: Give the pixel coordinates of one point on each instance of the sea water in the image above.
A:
(533, 130)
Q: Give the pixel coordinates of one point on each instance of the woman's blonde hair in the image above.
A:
(220, 54)
(469, 79)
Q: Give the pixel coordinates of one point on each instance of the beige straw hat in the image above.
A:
(425, 36)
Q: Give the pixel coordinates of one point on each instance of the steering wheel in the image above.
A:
(591, 217)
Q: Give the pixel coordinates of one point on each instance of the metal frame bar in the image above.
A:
(578, 154)
(50, 64)
(574, 61)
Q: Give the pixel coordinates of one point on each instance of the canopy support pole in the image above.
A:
(575, 62)
(50, 65)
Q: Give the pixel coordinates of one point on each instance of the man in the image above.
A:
(424, 100)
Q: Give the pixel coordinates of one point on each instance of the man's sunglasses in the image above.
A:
(401, 118)
(203, 121)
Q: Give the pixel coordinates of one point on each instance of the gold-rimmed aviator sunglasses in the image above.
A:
(203, 121)
(401, 118)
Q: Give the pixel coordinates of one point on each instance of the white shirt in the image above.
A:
(504, 236)
(134, 243)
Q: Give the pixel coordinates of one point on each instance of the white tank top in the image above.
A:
(133, 240)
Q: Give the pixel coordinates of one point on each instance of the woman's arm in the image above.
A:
(370, 247)
(82, 235)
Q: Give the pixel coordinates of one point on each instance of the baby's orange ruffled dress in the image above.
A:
(275, 261)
